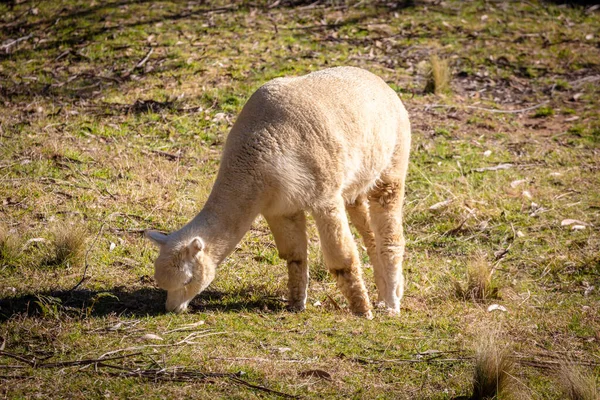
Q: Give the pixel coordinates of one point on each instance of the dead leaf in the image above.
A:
(494, 168)
(568, 221)
(440, 205)
(487, 153)
(151, 336)
(518, 182)
(494, 307)
(317, 373)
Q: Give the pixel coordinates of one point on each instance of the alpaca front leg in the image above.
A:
(290, 237)
(385, 206)
(341, 256)
(360, 217)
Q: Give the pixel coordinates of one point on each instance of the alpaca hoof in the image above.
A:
(296, 307)
(380, 304)
(367, 314)
(178, 310)
(393, 312)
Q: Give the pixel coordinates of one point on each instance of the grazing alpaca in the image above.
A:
(328, 142)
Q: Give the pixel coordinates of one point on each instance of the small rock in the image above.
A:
(494, 307)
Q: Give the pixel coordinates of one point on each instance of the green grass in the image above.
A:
(93, 150)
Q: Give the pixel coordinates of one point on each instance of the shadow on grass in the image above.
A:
(84, 303)
(58, 43)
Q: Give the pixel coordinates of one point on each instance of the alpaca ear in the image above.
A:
(156, 237)
(196, 245)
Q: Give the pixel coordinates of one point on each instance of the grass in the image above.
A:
(575, 384)
(493, 367)
(94, 149)
(479, 285)
(438, 76)
(9, 246)
(68, 245)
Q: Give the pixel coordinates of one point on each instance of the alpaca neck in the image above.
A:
(223, 221)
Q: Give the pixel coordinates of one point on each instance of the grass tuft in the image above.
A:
(480, 286)
(544, 112)
(67, 246)
(491, 378)
(438, 76)
(576, 384)
(10, 246)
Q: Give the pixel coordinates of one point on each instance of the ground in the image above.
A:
(113, 119)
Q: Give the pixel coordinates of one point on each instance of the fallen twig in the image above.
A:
(492, 110)
(170, 156)
(86, 265)
(8, 45)
(187, 340)
(145, 59)
(32, 362)
(260, 359)
(183, 375)
(436, 359)
(162, 374)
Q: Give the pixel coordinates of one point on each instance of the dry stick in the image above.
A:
(145, 59)
(181, 342)
(259, 359)
(17, 357)
(86, 258)
(6, 46)
(410, 360)
(32, 362)
(492, 110)
(264, 389)
(187, 376)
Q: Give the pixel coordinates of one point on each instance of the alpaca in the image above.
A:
(330, 142)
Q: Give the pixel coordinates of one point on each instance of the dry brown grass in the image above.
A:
(67, 245)
(576, 384)
(10, 246)
(438, 76)
(491, 378)
(479, 286)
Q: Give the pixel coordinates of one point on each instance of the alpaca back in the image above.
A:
(299, 141)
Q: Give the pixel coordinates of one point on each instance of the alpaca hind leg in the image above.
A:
(385, 205)
(360, 217)
(341, 255)
(290, 237)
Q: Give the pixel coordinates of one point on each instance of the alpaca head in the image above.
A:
(181, 269)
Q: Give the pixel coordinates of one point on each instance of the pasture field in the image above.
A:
(112, 120)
